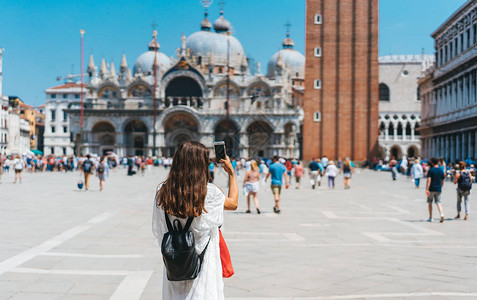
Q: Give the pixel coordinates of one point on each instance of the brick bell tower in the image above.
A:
(341, 79)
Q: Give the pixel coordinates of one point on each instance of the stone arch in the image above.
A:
(229, 132)
(190, 73)
(220, 89)
(139, 90)
(259, 89)
(395, 151)
(179, 127)
(104, 133)
(260, 138)
(163, 117)
(108, 91)
(391, 129)
(136, 137)
(412, 151)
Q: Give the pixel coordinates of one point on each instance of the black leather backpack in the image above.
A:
(178, 251)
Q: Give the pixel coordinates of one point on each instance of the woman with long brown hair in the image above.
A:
(186, 193)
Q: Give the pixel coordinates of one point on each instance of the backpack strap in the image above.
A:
(188, 223)
(201, 256)
(168, 222)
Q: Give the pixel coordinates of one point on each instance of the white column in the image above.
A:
(395, 131)
(413, 131)
(386, 133)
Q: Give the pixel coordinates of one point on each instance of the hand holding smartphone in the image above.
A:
(219, 148)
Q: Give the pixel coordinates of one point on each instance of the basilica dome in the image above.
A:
(145, 61)
(287, 56)
(208, 45)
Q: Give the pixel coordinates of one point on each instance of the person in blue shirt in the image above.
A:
(435, 181)
(211, 171)
(277, 170)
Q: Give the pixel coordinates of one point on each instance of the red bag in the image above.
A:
(227, 268)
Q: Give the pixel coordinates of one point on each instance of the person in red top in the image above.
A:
(289, 167)
(298, 173)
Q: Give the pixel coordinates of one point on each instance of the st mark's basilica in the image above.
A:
(262, 117)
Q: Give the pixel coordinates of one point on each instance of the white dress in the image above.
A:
(209, 284)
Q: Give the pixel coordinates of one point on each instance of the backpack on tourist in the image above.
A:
(101, 168)
(178, 251)
(465, 182)
(87, 165)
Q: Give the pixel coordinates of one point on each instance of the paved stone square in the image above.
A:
(369, 242)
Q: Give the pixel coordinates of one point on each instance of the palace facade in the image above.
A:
(449, 89)
(207, 93)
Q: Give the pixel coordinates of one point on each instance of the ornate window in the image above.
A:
(108, 92)
(140, 90)
(384, 92)
(259, 90)
(221, 91)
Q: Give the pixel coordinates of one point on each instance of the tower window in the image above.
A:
(318, 19)
(317, 84)
(317, 52)
(317, 116)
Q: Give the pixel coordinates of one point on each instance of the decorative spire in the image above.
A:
(288, 43)
(112, 72)
(102, 69)
(91, 65)
(183, 45)
(154, 45)
(124, 64)
(206, 25)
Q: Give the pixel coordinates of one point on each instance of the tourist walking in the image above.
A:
(347, 168)
(435, 182)
(417, 172)
(103, 172)
(463, 179)
(18, 165)
(87, 167)
(315, 173)
(331, 172)
(393, 166)
(196, 206)
(298, 173)
(251, 185)
(211, 171)
(277, 170)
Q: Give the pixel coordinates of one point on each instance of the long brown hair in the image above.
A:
(184, 191)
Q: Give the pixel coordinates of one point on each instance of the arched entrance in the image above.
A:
(183, 90)
(135, 134)
(412, 152)
(104, 136)
(396, 152)
(259, 139)
(228, 132)
(179, 128)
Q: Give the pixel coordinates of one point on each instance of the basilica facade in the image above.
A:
(207, 93)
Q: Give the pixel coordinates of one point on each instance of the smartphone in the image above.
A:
(219, 148)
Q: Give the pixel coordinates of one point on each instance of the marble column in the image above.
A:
(452, 149)
(386, 133)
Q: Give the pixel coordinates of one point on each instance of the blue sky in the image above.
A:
(41, 38)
